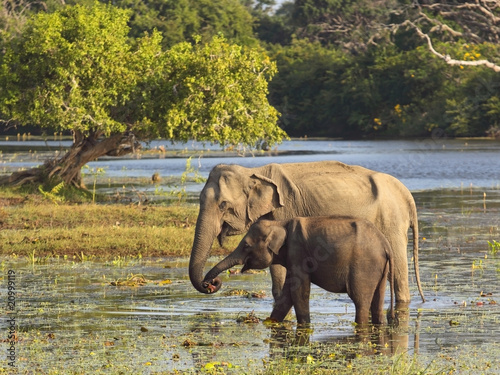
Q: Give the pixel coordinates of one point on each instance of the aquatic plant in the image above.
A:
(477, 264)
(190, 174)
(494, 246)
(84, 258)
(94, 172)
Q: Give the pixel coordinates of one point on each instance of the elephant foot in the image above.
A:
(303, 334)
(393, 319)
(402, 305)
(401, 315)
(269, 320)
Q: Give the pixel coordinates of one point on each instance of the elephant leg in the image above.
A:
(282, 297)
(377, 305)
(400, 266)
(361, 293)
(362, 313)
(300, 290)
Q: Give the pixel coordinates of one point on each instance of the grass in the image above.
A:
(32, 225)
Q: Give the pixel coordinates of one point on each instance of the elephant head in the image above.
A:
(255, 251)
(232, 199)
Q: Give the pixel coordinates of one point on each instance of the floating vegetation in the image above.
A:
(138, 280)
(248, 318)
(245, 293)
(131, 281)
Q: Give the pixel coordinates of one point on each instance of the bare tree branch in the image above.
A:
(474, 20)
(447, 58)
(478, 18)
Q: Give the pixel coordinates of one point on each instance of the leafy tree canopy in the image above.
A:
(70, 69)
(353, 24)
(214, 92)
(180, 20)
(76, 69)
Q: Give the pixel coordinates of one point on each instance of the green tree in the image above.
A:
(214, 92)
(358, 68)
(76, 70)
(272, 26)
(309, 90)
(352, 24)
(180, 20)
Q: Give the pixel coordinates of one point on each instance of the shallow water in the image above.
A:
(71, 317)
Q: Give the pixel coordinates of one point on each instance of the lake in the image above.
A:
(72, 319)
(420, 164)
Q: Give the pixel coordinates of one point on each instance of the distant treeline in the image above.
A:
(346, 68)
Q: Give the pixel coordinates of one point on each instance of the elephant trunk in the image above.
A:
(211, 281)
(207, 228)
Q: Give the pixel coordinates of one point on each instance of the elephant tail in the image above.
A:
(391, 314)
(414, 226)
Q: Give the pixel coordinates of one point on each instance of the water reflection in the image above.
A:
(287, 343)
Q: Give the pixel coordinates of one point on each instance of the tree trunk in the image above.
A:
(67, 168)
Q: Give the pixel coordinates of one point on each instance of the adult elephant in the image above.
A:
(234, 197)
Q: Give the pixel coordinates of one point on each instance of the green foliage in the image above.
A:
(214, 92)
(101, 70)
(322, 91)
(180, 20)
(473, 106)
(494, 246)
(348, 77)
(308, 89)
(405, 90)
(70, 70)
(76, 69)
(54, 195)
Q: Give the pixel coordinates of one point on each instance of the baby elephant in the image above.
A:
(339, 254)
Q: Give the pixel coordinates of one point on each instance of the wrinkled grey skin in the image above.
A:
(339, 254)
(234, 197)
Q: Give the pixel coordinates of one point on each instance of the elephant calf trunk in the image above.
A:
(211, 282)
(213, 285)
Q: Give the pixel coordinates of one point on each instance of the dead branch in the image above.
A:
(478, 18)
(447, 58)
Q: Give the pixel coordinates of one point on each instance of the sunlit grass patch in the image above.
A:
(83, 231)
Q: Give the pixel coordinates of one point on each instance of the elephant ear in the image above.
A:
(276, 238)
(263, 197)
